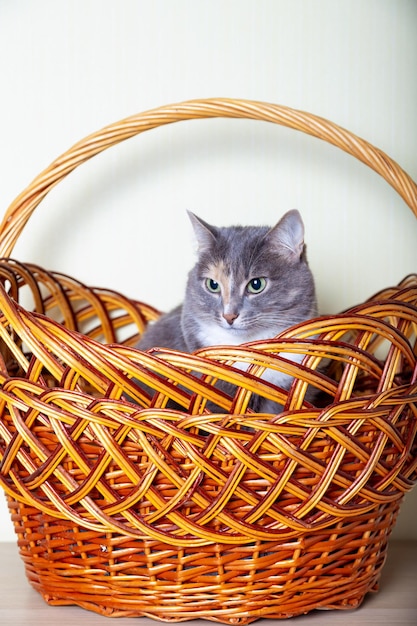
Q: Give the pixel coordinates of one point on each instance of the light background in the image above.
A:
(69, 68)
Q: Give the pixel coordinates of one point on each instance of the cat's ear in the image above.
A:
(204, 233)
(288, 235)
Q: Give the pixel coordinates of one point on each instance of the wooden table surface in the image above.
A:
(394, 605)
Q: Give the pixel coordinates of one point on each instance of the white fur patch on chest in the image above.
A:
(214, 335)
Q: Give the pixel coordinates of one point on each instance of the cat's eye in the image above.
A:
(256, 285)
(212, 285)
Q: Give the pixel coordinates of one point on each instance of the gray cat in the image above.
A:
(249, 283)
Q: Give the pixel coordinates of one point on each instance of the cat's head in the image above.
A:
(249, 282)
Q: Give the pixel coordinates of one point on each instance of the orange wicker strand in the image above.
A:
(131, 497)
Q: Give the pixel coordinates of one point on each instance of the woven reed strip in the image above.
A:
(78, 304)
(22, 208)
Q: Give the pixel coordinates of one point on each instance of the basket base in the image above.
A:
(117, 576)
(172, 610)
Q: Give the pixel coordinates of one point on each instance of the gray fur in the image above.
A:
(233, 257)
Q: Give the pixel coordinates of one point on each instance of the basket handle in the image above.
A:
(24, 205)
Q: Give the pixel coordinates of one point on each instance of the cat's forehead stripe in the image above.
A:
(219, 273)
(217, 269)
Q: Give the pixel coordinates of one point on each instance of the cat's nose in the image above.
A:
(230, 317)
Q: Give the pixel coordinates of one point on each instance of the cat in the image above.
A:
(249, 283)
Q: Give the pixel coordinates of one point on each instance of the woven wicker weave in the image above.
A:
(135, 509)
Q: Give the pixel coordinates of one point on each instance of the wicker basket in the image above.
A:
(135, 509)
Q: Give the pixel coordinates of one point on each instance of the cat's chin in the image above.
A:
(216, 335)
